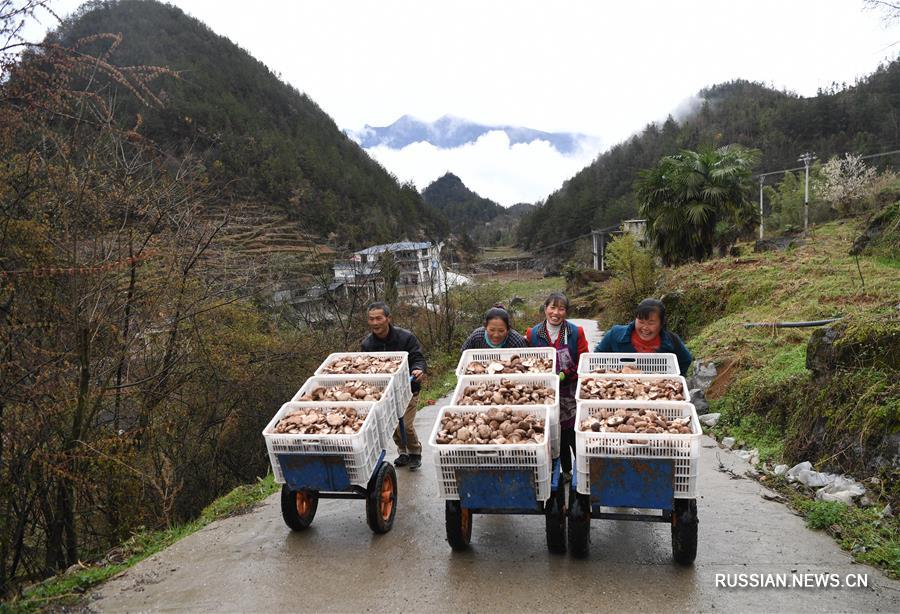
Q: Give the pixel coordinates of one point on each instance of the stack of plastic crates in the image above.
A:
(488, 356)
(683, 449)
(449, 458)
(402, 391)
(384, 409)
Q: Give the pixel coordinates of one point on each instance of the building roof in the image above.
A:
(394, 247)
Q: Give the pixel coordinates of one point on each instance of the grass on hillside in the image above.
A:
(762, 367)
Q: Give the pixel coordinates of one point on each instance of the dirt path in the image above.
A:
(253, 563)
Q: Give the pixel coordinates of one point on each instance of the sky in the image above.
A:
(600, 68)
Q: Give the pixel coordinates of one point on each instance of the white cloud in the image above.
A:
(507, 174)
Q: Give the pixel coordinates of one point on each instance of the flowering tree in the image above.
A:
(844, 181)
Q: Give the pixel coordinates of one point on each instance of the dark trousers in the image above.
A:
(567, 448)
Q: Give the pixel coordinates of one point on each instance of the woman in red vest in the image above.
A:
(570, 343)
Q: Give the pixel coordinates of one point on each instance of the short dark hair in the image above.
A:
(379, 305)
(497, 311)
(650, 306)
(557, 298)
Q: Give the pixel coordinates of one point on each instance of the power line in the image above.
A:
(800, 168)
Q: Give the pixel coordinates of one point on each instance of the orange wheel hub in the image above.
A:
(387, 498)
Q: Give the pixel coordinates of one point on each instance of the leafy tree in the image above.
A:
(694, 201)
(633, 279)
(390, 272)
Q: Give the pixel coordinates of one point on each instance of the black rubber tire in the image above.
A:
(684, 531)
(298, 507)
(459, 525)
(579, 524)
(381, 499)
(555, 515)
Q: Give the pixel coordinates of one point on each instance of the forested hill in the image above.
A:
(471, 215)
(462, 206)
(259, 138)
(864, 118)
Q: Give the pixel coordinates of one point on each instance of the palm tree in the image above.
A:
(694, 201)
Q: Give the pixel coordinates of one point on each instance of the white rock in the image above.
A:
(728, 442)
(845, 484)
(710, 419)
(744, 455)
(794, 471)
(887, 511)
(815, 479)
(781, 469)
(842, 497)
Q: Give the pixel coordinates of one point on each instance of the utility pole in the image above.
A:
(761, 181)
(806, 158)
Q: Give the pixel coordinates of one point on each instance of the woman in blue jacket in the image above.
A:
(647, 333)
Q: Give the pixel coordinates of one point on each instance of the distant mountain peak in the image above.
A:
(450, 131)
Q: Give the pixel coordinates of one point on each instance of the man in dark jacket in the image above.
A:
(385, 337)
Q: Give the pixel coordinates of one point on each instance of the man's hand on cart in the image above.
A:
(418, 374)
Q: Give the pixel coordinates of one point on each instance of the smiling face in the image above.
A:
(648, 328)
(496, 330)
(379, 323)
(555, 313)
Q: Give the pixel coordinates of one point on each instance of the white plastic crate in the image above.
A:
(488, 356)
(553, 429)
(359, 451)
(450, 457)
(550, 380)
(684, 450)
(401, 375)
(385, 408)
(648, 363)
(639, 377)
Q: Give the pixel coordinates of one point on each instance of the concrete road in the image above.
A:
(254, 563)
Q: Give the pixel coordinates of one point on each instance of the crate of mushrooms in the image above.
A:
(628, 363)
(513, 390)
(631, 387)
(320, 428)
(491, 438)
(507, 361)
(353, 391)
(394, 364)
(507, 390)
(659, 430)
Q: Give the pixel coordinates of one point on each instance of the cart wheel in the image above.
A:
(459, 525)
(381, 500)
(684, 531)
(555, 515)
(579, 524)
(298, 507)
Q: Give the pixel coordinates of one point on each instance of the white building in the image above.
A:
(421, 273)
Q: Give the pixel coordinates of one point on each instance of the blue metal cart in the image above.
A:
(510, 490)
(641, 483)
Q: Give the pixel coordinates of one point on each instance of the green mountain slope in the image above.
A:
(260, 139)
(483, 220)
(861, 118)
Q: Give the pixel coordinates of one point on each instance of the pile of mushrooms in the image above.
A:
(513, 364)
(500, 425)
(610, 389)
(635, 421)
(506, 392)
(351, 391)
(364, 363)
(320, 421)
